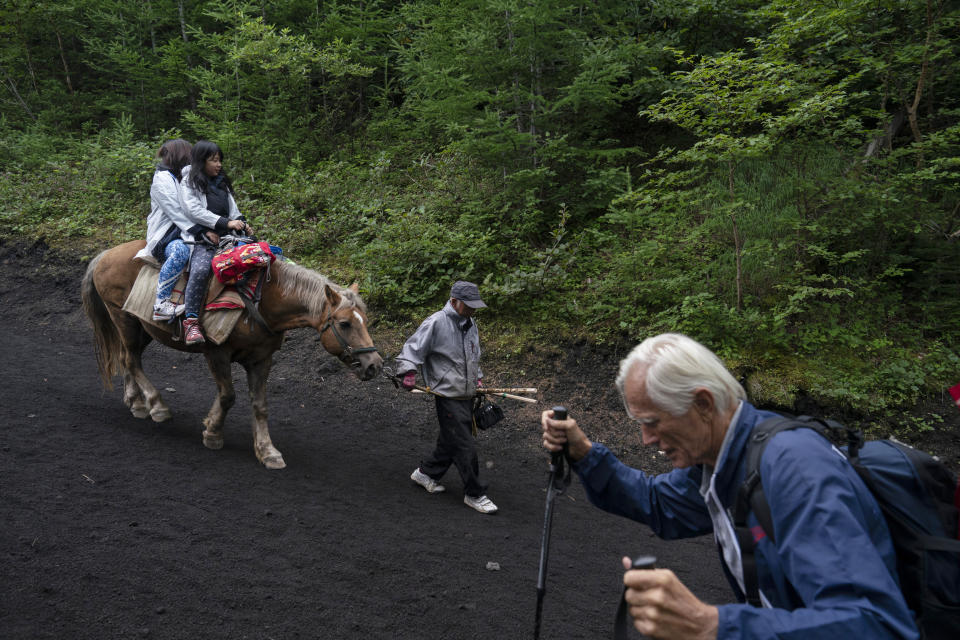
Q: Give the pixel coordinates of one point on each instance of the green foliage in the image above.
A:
(257, 84)
(778, 179)
(95, 196)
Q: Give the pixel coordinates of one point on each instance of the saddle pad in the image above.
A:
(216, 325)
(228, 299)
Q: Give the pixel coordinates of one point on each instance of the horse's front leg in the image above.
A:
(257, 373)
(218, 360)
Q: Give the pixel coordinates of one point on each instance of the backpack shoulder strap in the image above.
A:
(750, 495)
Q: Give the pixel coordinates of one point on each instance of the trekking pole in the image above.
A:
(556, 486)
(622, 623)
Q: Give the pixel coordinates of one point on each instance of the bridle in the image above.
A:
(348, 353)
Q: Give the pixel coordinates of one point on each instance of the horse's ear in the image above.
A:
(333, 298)
(355, 287)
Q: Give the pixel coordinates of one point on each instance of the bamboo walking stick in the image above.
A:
(510, 396)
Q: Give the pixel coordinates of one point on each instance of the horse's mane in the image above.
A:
(308, 285)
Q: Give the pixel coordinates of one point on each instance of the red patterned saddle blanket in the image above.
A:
(229, 265)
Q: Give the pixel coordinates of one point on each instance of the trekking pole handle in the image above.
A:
(643, 562)
(556, 458)
(622, 622)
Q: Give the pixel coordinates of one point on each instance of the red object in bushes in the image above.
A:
(955, 394)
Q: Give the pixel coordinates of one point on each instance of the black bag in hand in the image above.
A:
(486, 414)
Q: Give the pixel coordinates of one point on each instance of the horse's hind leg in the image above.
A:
(133, 397)
(159, 411)
(257, 373)
(219, 362)
(137, 388)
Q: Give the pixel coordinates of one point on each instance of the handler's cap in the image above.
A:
(467, 293)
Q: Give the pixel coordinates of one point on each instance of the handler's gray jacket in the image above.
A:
(448, 357)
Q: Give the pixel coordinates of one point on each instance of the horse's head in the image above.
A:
(344, 333)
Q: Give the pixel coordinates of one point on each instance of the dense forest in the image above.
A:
(779, 179)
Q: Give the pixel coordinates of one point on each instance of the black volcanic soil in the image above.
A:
(115, 527)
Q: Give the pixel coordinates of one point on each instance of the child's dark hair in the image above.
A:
(198, 177)
(175, 155)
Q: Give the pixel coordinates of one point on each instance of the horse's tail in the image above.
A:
(108, 346)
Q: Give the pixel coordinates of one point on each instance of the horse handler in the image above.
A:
(446, 347)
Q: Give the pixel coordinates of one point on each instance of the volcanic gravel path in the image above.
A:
(115, 527)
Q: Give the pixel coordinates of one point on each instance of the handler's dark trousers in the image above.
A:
(456, 445)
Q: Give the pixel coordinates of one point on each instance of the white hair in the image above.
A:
(675, 367)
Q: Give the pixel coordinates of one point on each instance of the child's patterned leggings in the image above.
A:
(177, 254)
(200, 270)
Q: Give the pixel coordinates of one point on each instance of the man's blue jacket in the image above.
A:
(831, 572)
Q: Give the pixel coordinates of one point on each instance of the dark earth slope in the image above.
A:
(114, 527)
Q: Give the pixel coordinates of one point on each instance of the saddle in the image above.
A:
(221, 312)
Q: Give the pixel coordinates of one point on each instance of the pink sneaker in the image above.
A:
(191, 331)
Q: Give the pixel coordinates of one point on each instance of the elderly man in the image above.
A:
(447, 349)
(831, 573)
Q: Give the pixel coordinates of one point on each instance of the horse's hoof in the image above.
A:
(160, 414)
(140, 411)
(212, 441)
(274, 461)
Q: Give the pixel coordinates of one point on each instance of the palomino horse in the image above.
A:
(294, 297)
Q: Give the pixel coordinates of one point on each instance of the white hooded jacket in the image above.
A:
(173, 203)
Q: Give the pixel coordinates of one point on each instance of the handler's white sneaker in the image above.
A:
(483, 504)
(425, 481)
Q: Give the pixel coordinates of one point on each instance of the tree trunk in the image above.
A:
(535, 90)
(737, 246)
(153, 35)
(183, 27)
(186, 40)
(11, 85)
(885, 139)
(918, 94)
(26, 52)
(517, 108)
(63, 58)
